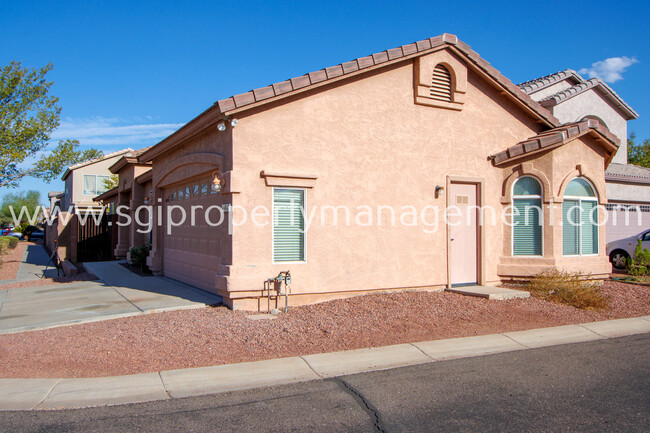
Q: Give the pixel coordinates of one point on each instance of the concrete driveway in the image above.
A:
(118, 293)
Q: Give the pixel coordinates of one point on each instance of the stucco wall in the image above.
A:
(627, 192)
(592, 103)
(369, 144)
(550, 90)
(195, 254)
(76, 181)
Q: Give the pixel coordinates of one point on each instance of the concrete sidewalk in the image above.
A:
(120, 293)
(27, 394)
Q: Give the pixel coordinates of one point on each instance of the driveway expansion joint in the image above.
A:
(509, 337)
(423, 352)
(48, 393)
(310, 367)
(163, 385)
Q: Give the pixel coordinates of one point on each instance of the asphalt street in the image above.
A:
(587, 387)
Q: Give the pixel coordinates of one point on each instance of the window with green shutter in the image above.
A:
(288, 225)
(527, 219)
(579, 219)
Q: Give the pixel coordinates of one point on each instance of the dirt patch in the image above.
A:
(211, 336)
(11, 262)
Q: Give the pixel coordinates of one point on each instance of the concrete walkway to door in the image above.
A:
(118, 293)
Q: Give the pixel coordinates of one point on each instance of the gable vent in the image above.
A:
(441, 84)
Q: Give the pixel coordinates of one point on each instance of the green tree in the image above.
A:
(29, 199)
(111, 182)
(28, 115)
(638, 153)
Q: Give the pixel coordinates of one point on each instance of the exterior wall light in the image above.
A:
(221, 126)
(234, 122)
(218, 181)
(440, 191)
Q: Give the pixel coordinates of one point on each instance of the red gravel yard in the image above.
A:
(11, 262)
(211, 336)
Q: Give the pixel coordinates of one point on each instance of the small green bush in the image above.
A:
(8, 242)
(567, 288)
(639, 265)
(139, 254)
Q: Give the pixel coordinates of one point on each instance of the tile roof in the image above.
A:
(582, 87)
(106, 195)
(553, 138)
(542, 82)
(579, 86)
(628, 172)
(92, 161)
(262, 95)
(128, 158)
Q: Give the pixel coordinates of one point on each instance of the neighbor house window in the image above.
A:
(579, 219)
(441, 84)
(94, 184)
(527, 217)
(288, 225)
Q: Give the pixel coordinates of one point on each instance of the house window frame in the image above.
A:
(539, 197)
(580, 199)
(96, 176)
(304, 237)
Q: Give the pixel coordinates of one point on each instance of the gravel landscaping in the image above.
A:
(11, 262)
(211, 336)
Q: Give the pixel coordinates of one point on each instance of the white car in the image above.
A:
(621, 250)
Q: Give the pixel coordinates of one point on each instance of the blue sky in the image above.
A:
(129, 73)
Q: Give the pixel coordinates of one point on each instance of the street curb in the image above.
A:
(73, 393)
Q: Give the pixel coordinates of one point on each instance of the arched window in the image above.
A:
(527, 217)
(441, 84)
(579, 219)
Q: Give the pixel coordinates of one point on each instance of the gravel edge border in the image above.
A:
(74, 393)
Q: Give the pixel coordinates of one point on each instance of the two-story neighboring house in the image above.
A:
(571, 98)
(85, 181)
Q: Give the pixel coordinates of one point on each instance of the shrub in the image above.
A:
(8, 242)
(640, 264)
(139, 254)
(567, 288)
(26, 229)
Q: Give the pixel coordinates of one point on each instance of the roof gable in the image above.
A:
(93, 161)
(257, 97)
(578, 85)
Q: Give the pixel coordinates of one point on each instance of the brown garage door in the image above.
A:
(193, 252)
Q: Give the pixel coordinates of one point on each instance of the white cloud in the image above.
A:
(101, 131)
(609, 70)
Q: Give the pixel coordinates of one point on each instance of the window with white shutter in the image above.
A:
(579, 219)
(288, 225)
(528, 218)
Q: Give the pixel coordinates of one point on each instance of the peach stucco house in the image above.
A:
(425, 126)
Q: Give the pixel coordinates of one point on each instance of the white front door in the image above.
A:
(463, 234)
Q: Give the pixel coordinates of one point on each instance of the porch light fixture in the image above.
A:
(221, 126)
(440, 190)
(218, 181)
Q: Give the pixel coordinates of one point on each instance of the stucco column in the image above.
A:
(155, 259)
(122, 247)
